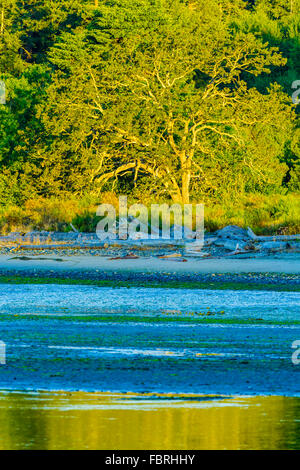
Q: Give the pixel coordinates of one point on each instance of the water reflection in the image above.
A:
(79, 420)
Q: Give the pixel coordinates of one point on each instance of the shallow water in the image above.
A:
(234, 345)
(142, 339)
(118, 421)
(61, 299)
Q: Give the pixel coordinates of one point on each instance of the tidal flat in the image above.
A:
(97, 367)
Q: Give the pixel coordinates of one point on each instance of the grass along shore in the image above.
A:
(277, 214)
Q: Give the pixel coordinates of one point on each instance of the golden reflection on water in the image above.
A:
(79, 420)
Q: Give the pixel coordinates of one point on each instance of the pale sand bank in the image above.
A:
(148, 265)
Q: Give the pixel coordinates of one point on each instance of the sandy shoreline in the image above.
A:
(139, 265)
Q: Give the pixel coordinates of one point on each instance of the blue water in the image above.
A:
(89, 338)
(61, 299)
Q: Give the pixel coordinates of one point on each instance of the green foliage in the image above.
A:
(161, 99)
(274, 214)
(86, 222)
(39, 214)
(266, 214)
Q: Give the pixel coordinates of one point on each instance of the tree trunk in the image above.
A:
(186, 188)
(185, 180)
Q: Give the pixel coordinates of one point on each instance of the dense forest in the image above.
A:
(159, 99)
